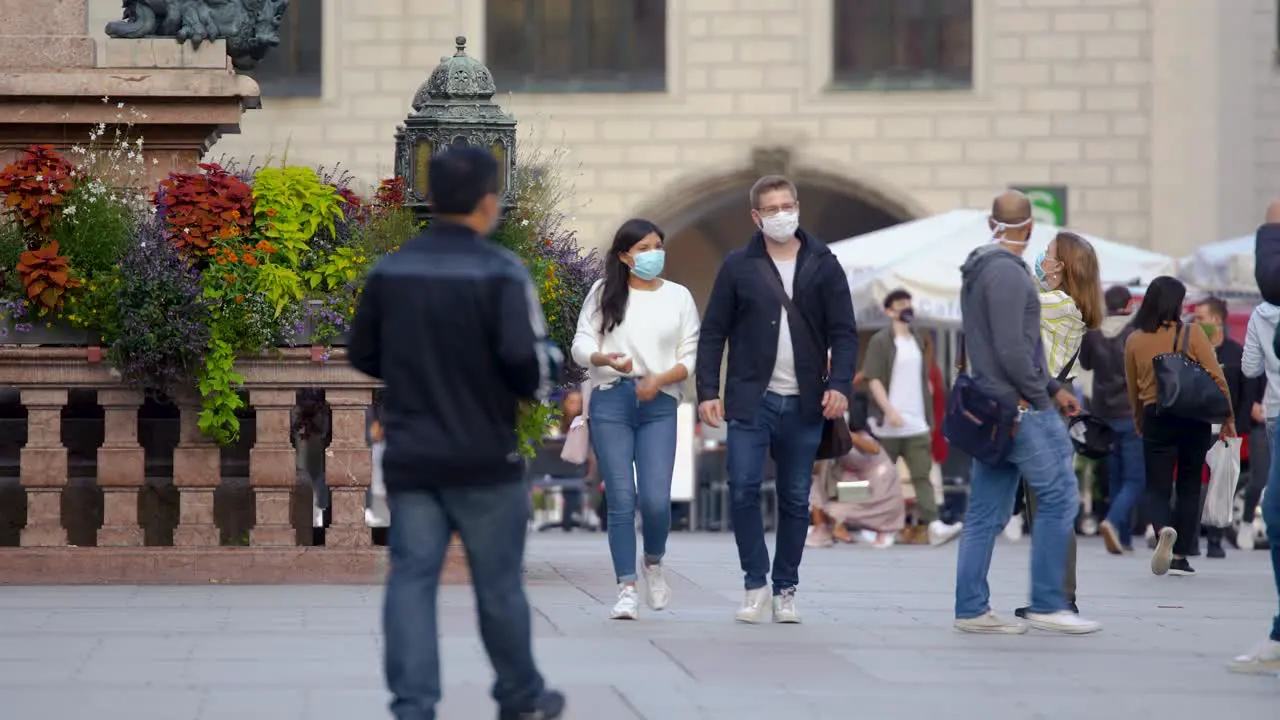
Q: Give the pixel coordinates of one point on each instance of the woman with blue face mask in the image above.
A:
(637, 335)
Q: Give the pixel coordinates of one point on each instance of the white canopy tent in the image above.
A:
(1222, 267)
(924, 257)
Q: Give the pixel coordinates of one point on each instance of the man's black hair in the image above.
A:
(894, 296)
(1117, 298)
(460, 178)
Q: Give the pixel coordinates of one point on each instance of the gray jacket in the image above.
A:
(1000, 312)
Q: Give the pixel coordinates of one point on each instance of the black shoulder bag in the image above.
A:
(836, 441)
(1091, 436)
(979, 425)
(1184, 388)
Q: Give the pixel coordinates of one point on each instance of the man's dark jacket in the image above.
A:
(1231, 357)
(1266, 266)
(1102, 353)
(744, 311)
(451, 323)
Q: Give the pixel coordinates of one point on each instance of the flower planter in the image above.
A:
(310, 324)
(46, 331)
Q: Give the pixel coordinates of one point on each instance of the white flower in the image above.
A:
(119, 105)
(105, 99)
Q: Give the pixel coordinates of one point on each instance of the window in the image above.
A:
(577, 45)
(903, 44)
(292, 68)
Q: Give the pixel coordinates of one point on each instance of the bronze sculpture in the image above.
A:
(250, 27)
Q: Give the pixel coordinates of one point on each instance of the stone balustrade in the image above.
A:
(241, 502)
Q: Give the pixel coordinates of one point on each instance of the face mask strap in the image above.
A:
(1003, 227)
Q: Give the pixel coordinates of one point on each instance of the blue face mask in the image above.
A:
(649, 264)
(1039, 266)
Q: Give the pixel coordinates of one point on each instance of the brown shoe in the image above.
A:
(914, 535)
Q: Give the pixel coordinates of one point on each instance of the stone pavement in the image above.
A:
(877, 643)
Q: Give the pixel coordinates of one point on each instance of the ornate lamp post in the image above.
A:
(454, 108)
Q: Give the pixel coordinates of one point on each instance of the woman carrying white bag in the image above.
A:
(1223, 461)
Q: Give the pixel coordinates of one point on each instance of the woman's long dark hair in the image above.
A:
(614, 291)
(1162, 304)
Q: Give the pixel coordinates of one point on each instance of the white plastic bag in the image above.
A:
(1223, 460)
(377, 514)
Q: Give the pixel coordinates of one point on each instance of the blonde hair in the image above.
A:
(1080, 277)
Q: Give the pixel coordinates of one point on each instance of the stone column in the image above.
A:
(348, 467)
(121, 468)
(273, 469)
(197, 472)
(43, 462)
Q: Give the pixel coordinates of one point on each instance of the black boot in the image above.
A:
(549, 706)
(1215, 549)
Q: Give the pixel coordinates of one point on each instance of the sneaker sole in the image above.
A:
(1163, 557)
(1181, 573)
(939, 542)
(624, 616)
(1110, 538)
(1062, 629)
(1254, 668)
(748, 620)
(991, 629)
(786, 621)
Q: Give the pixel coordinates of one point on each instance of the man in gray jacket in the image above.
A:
(1001, 325)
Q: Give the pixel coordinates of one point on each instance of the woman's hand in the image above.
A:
(1228, 429)
(618, 361)
(647, 388)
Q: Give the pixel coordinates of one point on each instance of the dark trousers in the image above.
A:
(777, 428)
(1259, 469)
(491, 521)
(1173, 450)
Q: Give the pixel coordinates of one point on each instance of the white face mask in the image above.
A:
(1001, 228)
(781, 227)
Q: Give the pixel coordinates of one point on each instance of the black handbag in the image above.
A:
(979, 425)
(1091, 436)
(1185, 389)
(836, 441)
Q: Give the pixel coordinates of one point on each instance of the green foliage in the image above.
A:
(292, 205)
(344, 266)
(93, 230)
(13, 242)
(532, 421)
(279, 285)
(219, 385)
(386, 231)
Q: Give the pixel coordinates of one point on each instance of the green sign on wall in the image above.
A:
(1048, 203)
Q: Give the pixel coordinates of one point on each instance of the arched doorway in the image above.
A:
(707, 225)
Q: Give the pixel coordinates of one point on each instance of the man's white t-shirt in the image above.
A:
(783, 381)
(906, 393)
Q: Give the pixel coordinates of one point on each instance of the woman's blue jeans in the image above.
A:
(635, 446)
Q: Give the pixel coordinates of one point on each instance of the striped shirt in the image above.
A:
(1061, 327)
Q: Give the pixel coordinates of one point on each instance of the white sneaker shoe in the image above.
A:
(941, 533)
(1013, 530)
(628, 605)
(657, 592)
(1265, 660)
(819, 537)
(1162, 558)
(989, 624)
(1065, 622)
(754, 604)
(784, 607)
(1245, 537)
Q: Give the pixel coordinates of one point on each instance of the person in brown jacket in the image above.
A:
(1174, 447)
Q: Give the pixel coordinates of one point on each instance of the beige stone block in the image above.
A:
(710, 52)
(1053, 100)
(1022, 22)
(624, 130)
(1113, 149)
(376, 9)
(853, 128)
(1089, 72)
(937, 151)
(993, 151)
(600, 155)
(351, 132)
(737, 129)
(1023, 173)
(967, 175)
(737, 78)
(46, 52)
(1053, 47)
(906, 176)
(1131, 73)
(44, 17)
(936, 200)
(771, 51)
(380, 107)
(377, 55)
(712, 103)
(1103, 99)
(1051, 3)
(1131, 174)
(1022, 74)
(784, 77)
(1140, 21)
(164, 53)
(696, 79)
(1130, 126)
(648, 154)
(765, 103)
(713, 154)
(738, 26)
(1005, 48)
(713, 7)
(1082, 22)
(680, 129)
(1082, 124)
(961, 126)
(359, 31)
(913, 127)
(1012, 126)
(1113, 47)
(1083, 175)
(879, 152)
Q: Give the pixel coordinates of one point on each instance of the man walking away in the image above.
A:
(1211, 313)
(902, 415)
(782, 304)
(1001, 323)
(451, 323)
(1102, 353)
(1260, 354)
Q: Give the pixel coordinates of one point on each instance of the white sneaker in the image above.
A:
(989, 624)
(1265, 660)
(1162, 558)
(941, 533)
(1013, 530)
(819, 537)
(784, 607)
(754, 604)
(628, 605)
(1065, 622)
(657, 591)
(1246, 535)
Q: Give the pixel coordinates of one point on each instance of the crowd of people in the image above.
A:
(454, 329)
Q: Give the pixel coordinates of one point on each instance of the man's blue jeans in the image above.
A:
(1041, 453)
(1126, 476)
(1271, 514)
(492, 521)
(777, 428)
(635, 446)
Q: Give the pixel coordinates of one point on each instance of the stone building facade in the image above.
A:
(1157, 116)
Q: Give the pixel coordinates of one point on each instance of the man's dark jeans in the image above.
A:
(1126, 476)
(794, 444)
(492, 521)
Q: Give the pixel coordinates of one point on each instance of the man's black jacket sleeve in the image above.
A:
(528, 362)
(842, 328)
(716, 322)
(1266, 267)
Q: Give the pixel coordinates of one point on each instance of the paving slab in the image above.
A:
(876, 642)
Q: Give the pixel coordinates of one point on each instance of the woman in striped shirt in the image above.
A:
(1070, 304)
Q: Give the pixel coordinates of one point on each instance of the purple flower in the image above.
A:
(22, 327)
